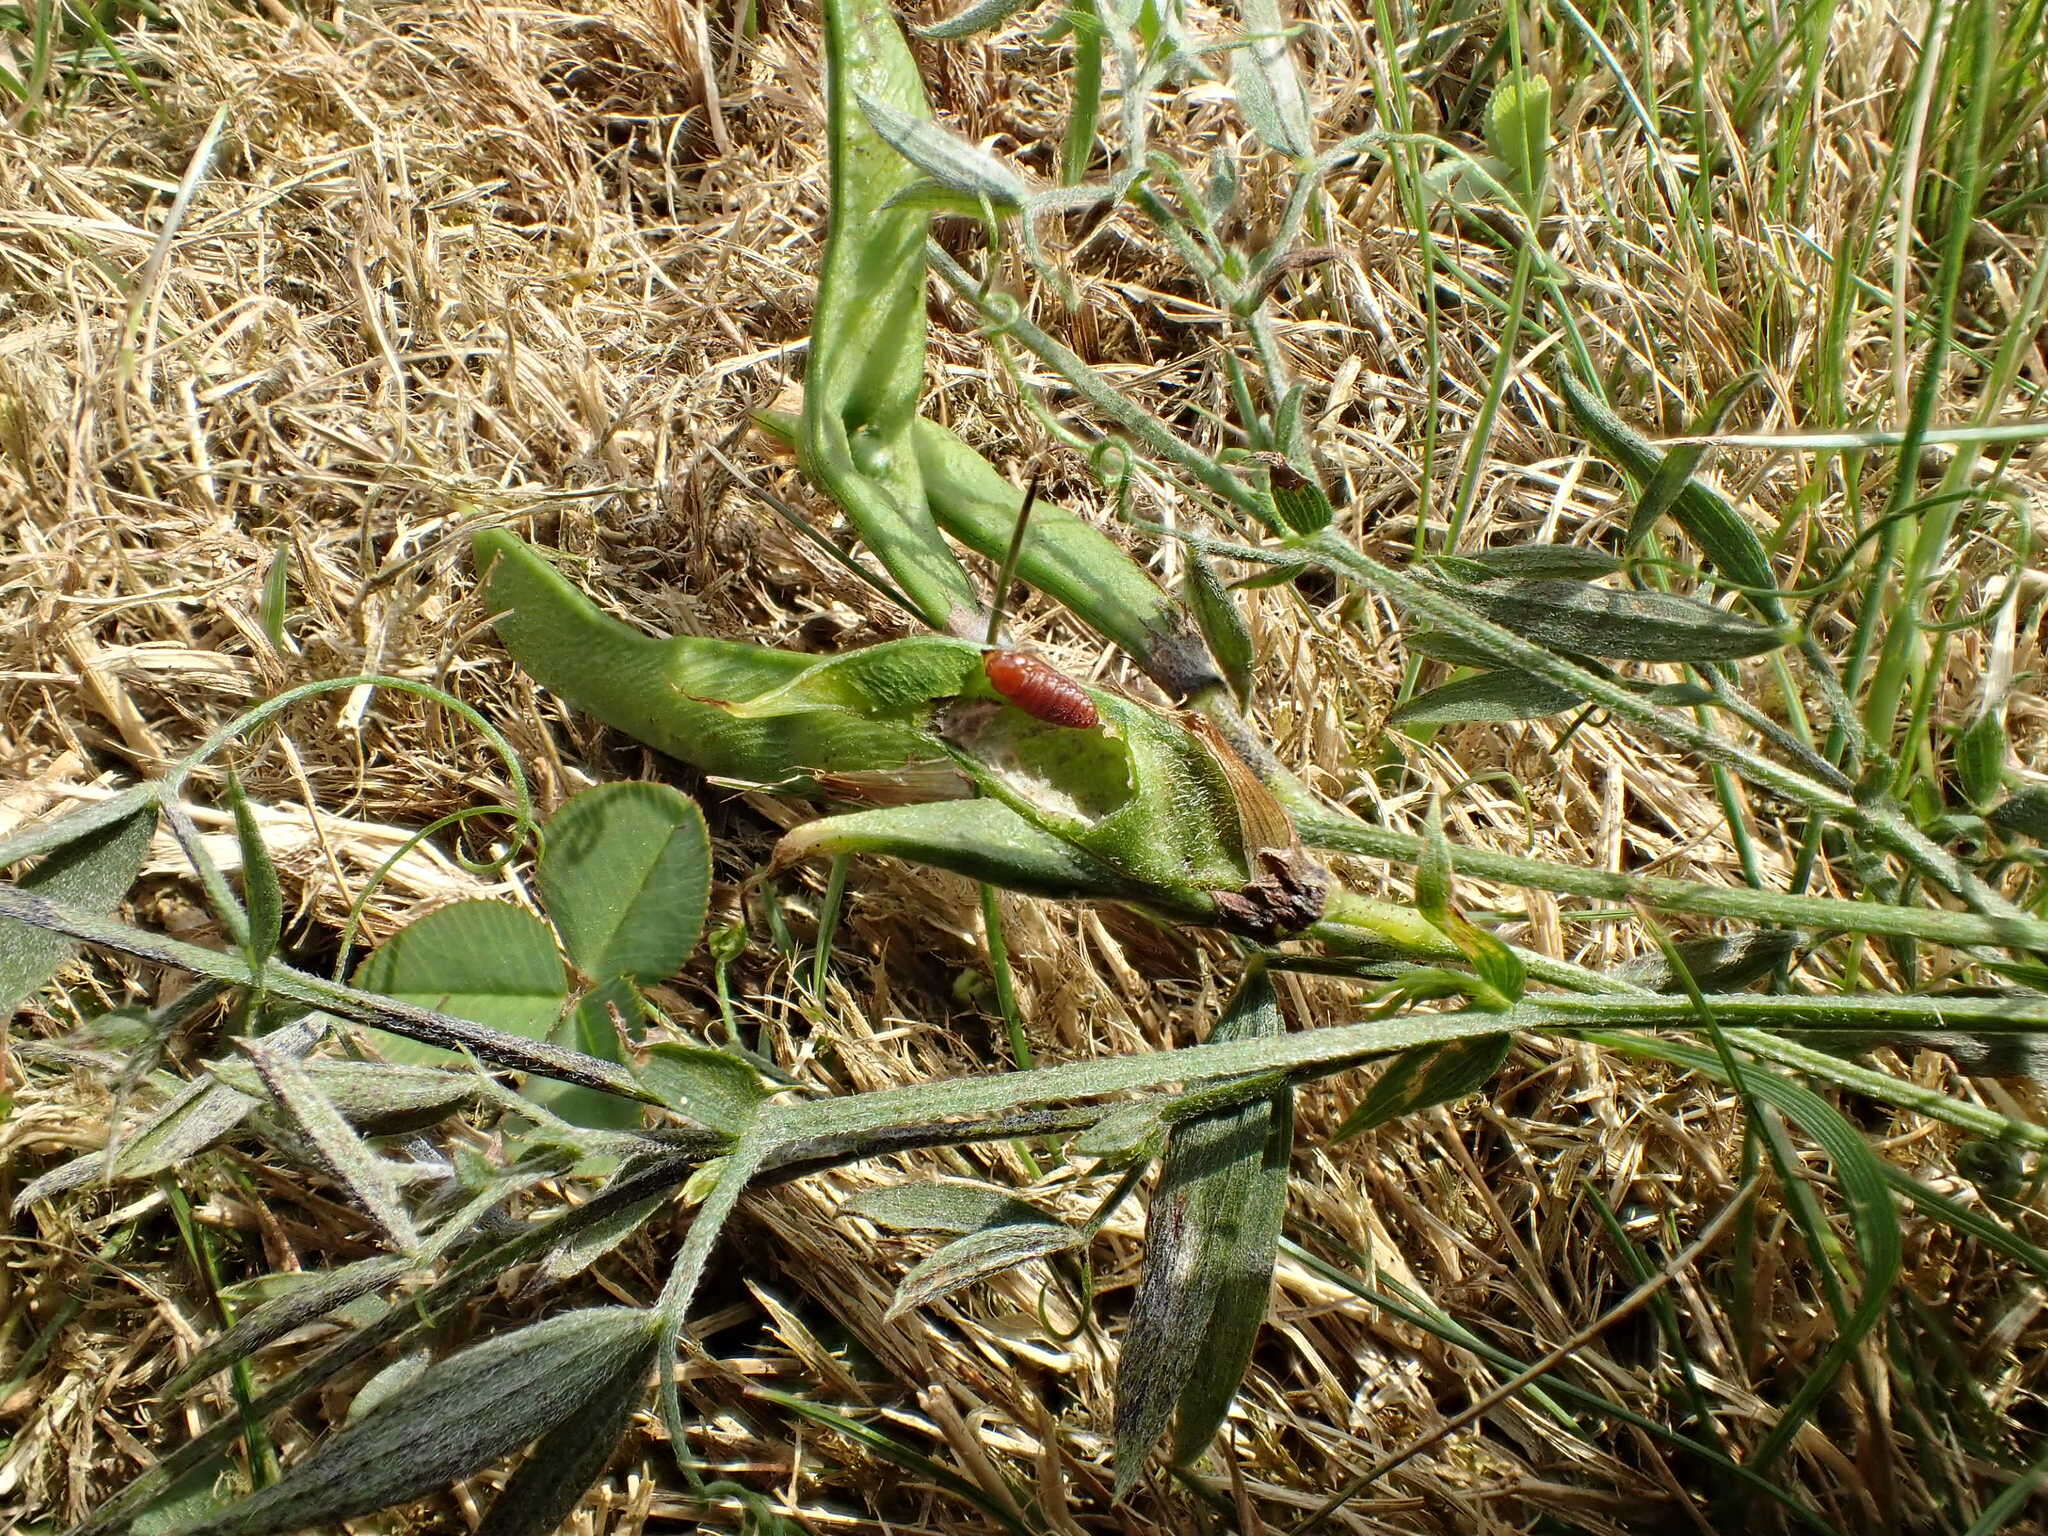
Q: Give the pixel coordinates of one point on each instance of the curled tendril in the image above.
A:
(248, 720)
(357, 907)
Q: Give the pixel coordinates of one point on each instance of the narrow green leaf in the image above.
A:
(73, 826)
(570, 1258)
(1569, 562)
(1580, 618)
(458, 1417)
(1980, 759)
(716, 1090)
(486, 961)
(1124, 1136)
(1722, 533)
(1429, 1075)
(92, 870)
(388, 1383)
(1676, 472)
(1490, 696)
(271, 1320)
(979, 1255)
(625, 877)
(1269, 89)
(2023, 813)
(378, 1098)
(937, 1207)
(201, 1114)
(978, 17)
(276, 593)
(1716, 963)
(559, 1470)
(1222, 625)
(260, 888)
(1210, 1239)
(981, 839)
(365, 1175)
(944, 156)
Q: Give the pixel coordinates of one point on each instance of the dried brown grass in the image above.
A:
(525, 261)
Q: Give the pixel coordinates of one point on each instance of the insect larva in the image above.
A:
(1039, 691)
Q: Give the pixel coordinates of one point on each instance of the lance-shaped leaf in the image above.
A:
(1269, 90)
(1981, 749)
(559, 1470)
(979, 17)
(938, 1207)
(947, 158)
(981, 839)
(2023, 813)
(1009, 1238)
(1428, 1075)
(676, 695)
(866, 366)
(1716, 963)
(280, 1315)
(1676, 472)
(260, 887)
(625, 876)
(388, 1383)
(1222, 624)
(457, 1417)
(1210, 1240)
(1125, 1135)
(1556, 561)
(362, 1172)
(1722, 533)
(1490, 696)
(199, 1115)
(378, 1098)
(92, 870)
(1064, 556)
(1601, 621)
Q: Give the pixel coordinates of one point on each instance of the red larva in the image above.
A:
(1039, 691)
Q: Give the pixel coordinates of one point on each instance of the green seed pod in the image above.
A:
(683, 696)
